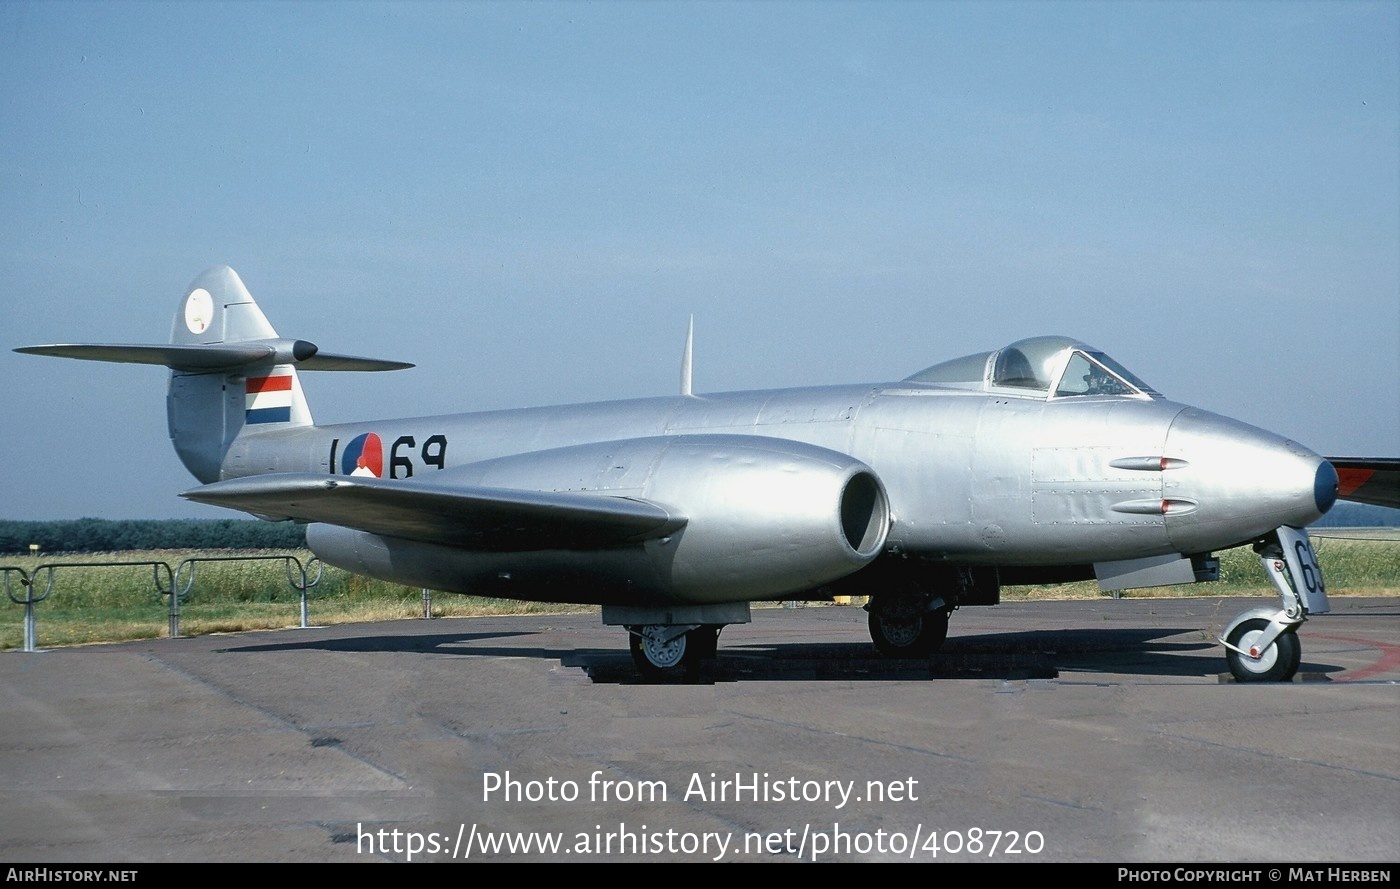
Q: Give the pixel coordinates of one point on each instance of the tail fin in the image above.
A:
(208, 409)
(229, 370)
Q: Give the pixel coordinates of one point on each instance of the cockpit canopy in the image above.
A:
(1044, 366)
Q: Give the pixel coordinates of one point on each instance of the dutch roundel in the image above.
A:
(363, 456)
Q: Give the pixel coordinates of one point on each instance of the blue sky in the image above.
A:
(529, 200)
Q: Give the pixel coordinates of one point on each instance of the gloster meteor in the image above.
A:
(1039, 462)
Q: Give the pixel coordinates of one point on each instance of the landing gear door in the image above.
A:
(1304, 570)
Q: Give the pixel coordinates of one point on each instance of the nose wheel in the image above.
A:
(1253, 657)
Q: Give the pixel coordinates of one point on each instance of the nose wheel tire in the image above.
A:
(1277, 663)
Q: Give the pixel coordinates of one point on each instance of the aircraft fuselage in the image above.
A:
(972, 478)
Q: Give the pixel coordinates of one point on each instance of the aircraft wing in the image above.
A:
(457, 515)
(1374, 480)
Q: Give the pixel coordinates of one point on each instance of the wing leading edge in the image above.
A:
(1374, 480)
(457, 515)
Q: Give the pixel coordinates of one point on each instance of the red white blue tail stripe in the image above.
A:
(268, 399)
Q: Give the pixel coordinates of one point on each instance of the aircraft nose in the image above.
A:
(1237, 482)
(1325, 486)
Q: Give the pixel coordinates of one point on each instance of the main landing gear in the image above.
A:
(910, 603)
(908, 625)
(672, 644)
(1261, 645)
(664, 653)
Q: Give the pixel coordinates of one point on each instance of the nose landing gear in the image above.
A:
(1261, 644)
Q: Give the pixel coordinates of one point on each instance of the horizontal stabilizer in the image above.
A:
(331, 361)
(217, 356)
(1373, 480)
(466, 516)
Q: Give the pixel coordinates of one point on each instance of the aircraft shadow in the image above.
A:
(1035, 654)
(1032, 654)
(429, 642)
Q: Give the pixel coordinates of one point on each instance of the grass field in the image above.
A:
(1355, 562)
(107, 604)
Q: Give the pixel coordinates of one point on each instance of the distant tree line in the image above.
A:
(104, 535)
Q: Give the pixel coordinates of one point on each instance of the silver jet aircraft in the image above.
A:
(1040, 462)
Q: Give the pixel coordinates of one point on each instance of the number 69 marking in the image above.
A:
(1312, 574)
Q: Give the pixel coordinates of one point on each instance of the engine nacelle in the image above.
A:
(763, 517)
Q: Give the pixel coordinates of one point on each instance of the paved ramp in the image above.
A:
(1054, 731)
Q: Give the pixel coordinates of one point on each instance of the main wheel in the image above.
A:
(1277, 663)
(902, 629)
(659, 659)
